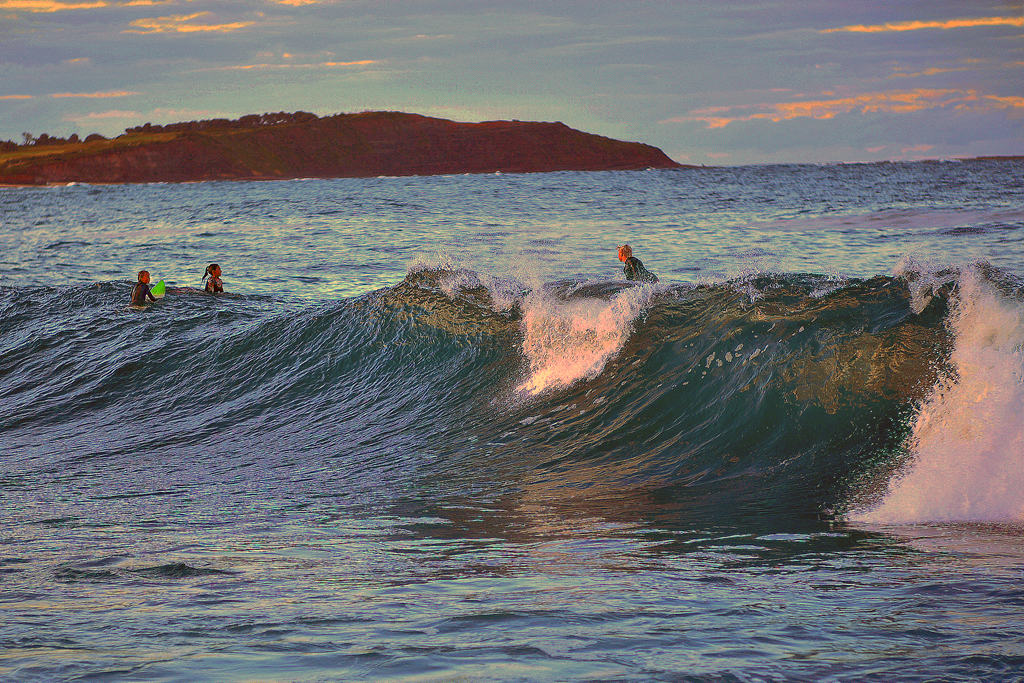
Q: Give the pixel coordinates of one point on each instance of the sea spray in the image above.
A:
(569, 340)
(967, 442)
(924, 280)
(454, 279)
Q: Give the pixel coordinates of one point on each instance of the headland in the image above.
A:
(303, 145)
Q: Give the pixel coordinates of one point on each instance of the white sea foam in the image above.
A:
(967, 443)
(566, 341)
(439, 260)
(922, 279)
(458, 277)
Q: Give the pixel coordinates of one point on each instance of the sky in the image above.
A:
(719, 82)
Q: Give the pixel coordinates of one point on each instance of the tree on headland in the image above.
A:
(248, 121)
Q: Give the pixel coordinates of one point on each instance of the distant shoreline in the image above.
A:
(1001, 157)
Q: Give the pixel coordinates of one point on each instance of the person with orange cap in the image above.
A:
(634, 268)
(140, 292)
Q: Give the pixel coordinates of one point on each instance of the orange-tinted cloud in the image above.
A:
(95, 95)
(918, 25)
(179, 24)
(316, 65)
(50, 5)
(15, 97)
(893, 102)
(47, 6)
(929, 72)
(1012, 102)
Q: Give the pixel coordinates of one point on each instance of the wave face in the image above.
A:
(770, 395)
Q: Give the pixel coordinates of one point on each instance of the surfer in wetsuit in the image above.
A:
(214, 286)
(141, 290)
(634, 268)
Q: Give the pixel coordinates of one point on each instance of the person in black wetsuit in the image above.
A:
(634, 268)
(141, 289)
(214, 286)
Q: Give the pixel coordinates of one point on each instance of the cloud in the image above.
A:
(179, 24)
(918, 25)
(316, 65)
(158, 114)
(917, 148)
(112, 114)
(183, 114)
(929, 72)
(1012, 102)
(95, 95)
(50, 5)
(894, 102)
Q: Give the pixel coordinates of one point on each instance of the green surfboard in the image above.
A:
(158, 289)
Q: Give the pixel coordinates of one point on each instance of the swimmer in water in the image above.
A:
(214, 286)
(634, 268)
(141, 289)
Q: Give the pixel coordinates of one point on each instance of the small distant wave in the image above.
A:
(179, 570)
(97, 572)
(940, 221)
(61, 244)
(966, 230)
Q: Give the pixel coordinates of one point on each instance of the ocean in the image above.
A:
(431, 433)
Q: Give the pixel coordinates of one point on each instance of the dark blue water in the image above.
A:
(431, 432)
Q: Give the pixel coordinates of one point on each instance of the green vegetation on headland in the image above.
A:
(300, 144)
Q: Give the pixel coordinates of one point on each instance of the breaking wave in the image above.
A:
(890, 399)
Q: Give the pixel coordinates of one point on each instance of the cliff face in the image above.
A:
(346, 145)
